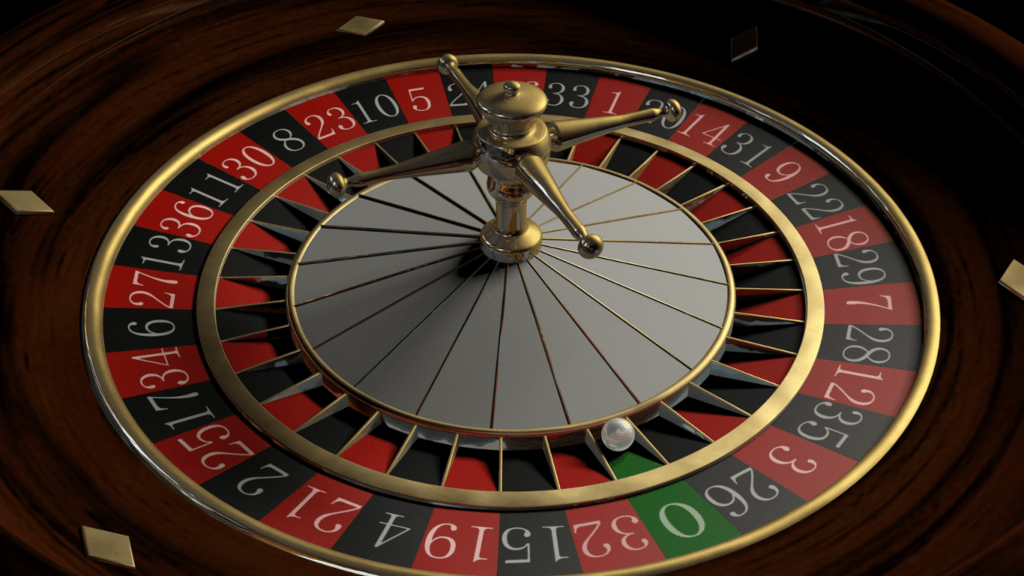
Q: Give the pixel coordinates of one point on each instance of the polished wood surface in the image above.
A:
(96, 96)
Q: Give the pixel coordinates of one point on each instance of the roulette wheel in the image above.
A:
(390, 313)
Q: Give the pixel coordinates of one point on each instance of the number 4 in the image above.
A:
(162, 354)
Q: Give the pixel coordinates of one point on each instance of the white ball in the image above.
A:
(618, 434)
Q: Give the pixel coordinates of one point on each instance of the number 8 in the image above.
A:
(288, 137)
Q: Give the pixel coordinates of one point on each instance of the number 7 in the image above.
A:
(138, 273)
(888, 300)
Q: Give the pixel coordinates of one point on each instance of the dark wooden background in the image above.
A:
(95, 96)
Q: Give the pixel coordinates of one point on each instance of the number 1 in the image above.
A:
(611, 109)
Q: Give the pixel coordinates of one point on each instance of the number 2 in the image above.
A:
(831, 385)
(170, 302)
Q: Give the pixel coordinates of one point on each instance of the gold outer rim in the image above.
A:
(124, 424)
(556, 431)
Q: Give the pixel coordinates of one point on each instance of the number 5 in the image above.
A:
(419, 97)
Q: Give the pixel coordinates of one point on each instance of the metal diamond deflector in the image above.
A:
(744, 44)
(361, 26)
(24, 202)
(1013, 279)
(108, 547)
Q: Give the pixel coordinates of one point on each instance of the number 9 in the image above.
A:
(783, 176)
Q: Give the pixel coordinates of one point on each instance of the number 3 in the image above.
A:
(792, 463)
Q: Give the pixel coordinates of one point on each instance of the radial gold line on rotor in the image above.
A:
(584, 332)
(620, 219)
(585, 204)
(624, 321)
(656, 269)
(454, 342)
(662, 302)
